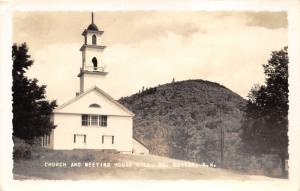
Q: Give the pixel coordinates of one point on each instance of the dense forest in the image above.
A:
(193, 120)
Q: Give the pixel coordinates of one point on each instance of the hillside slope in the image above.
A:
(183, 120)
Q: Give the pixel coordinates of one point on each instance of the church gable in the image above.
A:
(94, 101)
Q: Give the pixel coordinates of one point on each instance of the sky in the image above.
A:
(148, 48)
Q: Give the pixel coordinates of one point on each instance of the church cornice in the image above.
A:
(92, 32)
(91, 72)
(91, 46)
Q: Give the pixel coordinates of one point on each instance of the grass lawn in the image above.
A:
(95, 165)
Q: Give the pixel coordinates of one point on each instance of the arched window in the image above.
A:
(94, 39)
(95, 105)
(95, 63)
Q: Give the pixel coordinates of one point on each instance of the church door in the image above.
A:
(108, 141)
(80, 141)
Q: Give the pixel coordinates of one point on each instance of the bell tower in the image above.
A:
(92, 71)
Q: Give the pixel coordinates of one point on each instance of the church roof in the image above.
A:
(101, 92)
(93, 27)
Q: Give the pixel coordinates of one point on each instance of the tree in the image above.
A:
(31, 110)
(266, 120)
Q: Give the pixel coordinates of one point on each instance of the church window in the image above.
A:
(94, 39)
(84, 120)
(103, 121)
(79, 136)
(94, 120)
(113, 140)
(95, 105)
(95, 63)
(102, 139)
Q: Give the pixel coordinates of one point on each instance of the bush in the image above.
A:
(27, 154)
(21, 153)
(17, 154)
(23, 150)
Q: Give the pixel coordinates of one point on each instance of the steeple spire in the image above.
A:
(92, 17)
(92, 26)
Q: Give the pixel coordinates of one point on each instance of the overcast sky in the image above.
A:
(151, 48)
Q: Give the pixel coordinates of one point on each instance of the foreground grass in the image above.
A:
(121, 166)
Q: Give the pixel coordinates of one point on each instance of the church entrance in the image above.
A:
(79, 141)
(108, 141)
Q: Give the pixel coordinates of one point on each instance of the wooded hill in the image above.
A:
(184, 120)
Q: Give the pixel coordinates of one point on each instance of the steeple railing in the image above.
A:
(92, 68)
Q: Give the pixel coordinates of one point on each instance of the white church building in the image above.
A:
(93, 119)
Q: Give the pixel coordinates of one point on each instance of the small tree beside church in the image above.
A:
(31, 110)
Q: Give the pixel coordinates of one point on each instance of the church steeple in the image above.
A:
(93, 70)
